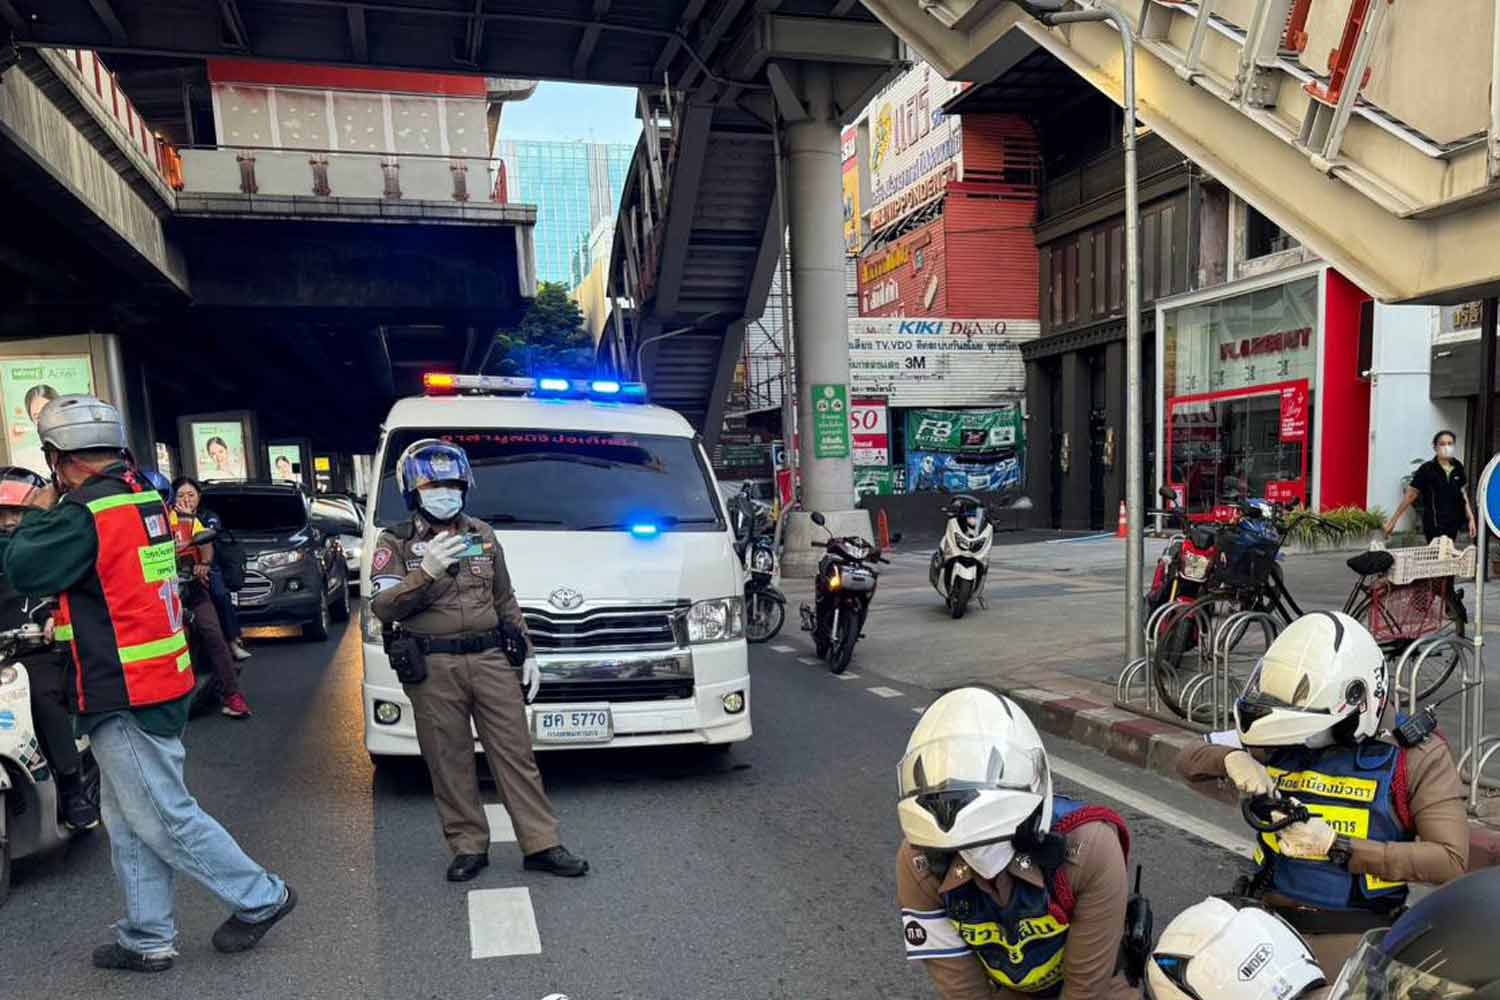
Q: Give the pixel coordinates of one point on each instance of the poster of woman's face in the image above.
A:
(220, 447)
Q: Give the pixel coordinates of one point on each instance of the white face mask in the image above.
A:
(991, 859)
(1446, 450)
(442, 503)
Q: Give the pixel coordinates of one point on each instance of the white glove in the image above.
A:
(442, 552)
(531, 678)
(1309, 839)
(1248, 774)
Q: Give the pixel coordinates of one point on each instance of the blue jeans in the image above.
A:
(156, 829)
(229, 615)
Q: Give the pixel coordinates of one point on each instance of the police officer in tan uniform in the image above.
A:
(456, 638)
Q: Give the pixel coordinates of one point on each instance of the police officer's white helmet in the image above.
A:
(974, 773)
(1324, 669)
(80, 423)
(1214, 950)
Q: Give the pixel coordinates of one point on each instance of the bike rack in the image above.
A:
(1416, 656)
(1140, 669)
(1143, 669)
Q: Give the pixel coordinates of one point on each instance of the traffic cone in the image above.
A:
(1123, 528)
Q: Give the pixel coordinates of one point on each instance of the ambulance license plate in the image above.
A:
(587, 724)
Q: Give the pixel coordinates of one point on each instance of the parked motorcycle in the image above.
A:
(31, 819)
(844, 584)
(1185, 564)
(754, 542)
(961, 564)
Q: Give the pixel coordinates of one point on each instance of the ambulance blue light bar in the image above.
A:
(645, 530)
(547, 387)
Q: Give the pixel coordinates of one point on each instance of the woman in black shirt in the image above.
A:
(1443, 487)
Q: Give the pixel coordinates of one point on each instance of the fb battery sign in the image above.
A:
(869, 425)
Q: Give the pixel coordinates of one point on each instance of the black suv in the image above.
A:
(295, 572)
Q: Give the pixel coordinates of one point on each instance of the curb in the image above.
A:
(1153, 746)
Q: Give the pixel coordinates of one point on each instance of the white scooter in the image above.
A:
(961, 564)
(30, 814)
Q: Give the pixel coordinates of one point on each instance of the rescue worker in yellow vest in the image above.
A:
(106, 549)
(1314, 725)
(1005, 888)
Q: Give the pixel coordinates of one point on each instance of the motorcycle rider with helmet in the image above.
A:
(45, 669)
(1231, 949)
(1002, 884)
(454, 633)
(1314, 723)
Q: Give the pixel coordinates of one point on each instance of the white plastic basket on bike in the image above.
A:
(1426, 562)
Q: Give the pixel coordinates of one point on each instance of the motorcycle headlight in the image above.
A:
(718, 620)
(8, 675)
(1195, 567)
(279, 560)
(762, 561)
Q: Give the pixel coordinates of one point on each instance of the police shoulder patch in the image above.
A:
(379, 560)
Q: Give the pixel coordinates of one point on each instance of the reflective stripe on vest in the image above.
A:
(124, 621)
(1021, 944)
(1352, 790)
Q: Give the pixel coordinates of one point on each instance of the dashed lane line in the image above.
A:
(781, 648)
(884, 692)
(847, 677)
(1217, 835)
(807, 660)
(502, 922)
(502, 831)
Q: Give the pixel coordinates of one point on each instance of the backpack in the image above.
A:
(229, 554)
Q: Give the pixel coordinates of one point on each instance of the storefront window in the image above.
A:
(1238, 379)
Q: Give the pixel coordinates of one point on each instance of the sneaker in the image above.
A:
(236, 935)
(238, 651)
(117, 956)
(79, 812)
(236, 707)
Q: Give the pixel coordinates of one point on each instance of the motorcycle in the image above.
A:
(31, 819)
(844, 585)
(1185, 564)
(961, 564)
(754, 531)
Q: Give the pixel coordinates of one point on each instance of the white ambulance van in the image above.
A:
(619, 550)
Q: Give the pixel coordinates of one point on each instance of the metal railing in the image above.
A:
(340, 174)
(107, 98)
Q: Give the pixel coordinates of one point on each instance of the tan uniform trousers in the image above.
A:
(485, 687)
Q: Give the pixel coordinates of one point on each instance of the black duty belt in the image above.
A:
(1310, 921)
(469, 642)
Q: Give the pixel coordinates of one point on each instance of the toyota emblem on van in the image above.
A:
(565, 598)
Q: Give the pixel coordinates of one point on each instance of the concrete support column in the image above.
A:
(820, 324)
(1075, 430)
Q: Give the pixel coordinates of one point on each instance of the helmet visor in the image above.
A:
(1371, 974)
(17, 493)
(957, 763)
(1281, 686)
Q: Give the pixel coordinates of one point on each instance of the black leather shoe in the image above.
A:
(117, 956)
(557, 860)
(466, 866)
(236, 935)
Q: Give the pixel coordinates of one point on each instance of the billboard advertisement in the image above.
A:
(959, 451)
(915, 149)
(853, 236)
(939, 362)
(220, 448)
(27, 385)
(869, 423)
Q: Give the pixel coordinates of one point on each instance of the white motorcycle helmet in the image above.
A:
(974, 773)
(1325, 668)
(1214, 950)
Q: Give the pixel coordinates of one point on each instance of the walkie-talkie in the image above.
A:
(1135, 949)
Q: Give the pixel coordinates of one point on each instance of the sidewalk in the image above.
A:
(1051, 637)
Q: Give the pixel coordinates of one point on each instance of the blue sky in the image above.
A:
(573, 111)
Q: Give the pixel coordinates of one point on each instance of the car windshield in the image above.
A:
(282, 513)
(339, 515)
(555, 480)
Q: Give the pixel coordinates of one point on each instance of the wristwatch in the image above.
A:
(1341, 851)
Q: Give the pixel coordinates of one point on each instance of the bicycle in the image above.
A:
(1400, 614)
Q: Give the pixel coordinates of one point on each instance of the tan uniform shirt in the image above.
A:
(1441, 851)
(1096, 869)
(475, 599)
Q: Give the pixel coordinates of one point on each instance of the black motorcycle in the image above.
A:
(844, 586)
(754, 543)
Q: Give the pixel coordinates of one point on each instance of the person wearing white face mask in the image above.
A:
(1442, 486)
(441, 586)
(1386, 800)
(1005, 888)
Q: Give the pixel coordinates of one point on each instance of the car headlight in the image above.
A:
(716, 621)
(762, 560)
(354, 550)
(8, 675)
(277, 560)
(371, 623)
